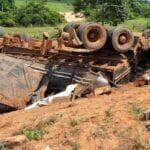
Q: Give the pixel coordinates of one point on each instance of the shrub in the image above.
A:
(37, 14)
(74, 123)
(112, 12)
(135, 109)
(8, 22)
(85, 5)
(34, 134)
(6, 19)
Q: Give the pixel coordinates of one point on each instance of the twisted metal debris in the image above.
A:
(79, 53)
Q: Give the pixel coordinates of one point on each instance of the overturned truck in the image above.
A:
(88, 55)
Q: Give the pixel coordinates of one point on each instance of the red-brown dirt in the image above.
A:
(108, 122)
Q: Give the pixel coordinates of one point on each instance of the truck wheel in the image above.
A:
(122, 39)
(93, 35)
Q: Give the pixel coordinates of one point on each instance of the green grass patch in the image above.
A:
(35, 32)
(135, 110)
(53, 5)
(38, 130)
(138, 24)
(36, 134)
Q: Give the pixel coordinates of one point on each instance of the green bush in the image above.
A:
(34, 134)
(6, 19)
(7, 5)
(8, 22)
(112, 12)
(37, 14)
(85, 5)
(146, 10)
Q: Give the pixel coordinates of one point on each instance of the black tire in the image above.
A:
(146, 33)
(93, 36)
(70, 25)
(122, 39)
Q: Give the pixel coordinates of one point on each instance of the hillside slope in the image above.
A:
(54, 5)
(106, 122)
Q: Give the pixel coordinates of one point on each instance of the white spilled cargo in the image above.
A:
(50, 99)
(98, 82)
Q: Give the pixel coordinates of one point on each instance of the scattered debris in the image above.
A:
(144, 79)
(146, 33)
(47, 147)
(147, 127)
(145, 115)
(14, 141)
(84, 59)
(48, 100)
(19, 80)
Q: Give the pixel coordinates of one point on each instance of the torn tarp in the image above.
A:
(97, 83)
(48, 100)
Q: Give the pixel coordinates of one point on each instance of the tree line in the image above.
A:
(33, 13)
(36, 12)
(113, 11)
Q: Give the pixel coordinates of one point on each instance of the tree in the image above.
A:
(135, 7)
(82, 5)
(112, 12)
(6, 5)
(7, 11)
(146, 9)
(36, 13)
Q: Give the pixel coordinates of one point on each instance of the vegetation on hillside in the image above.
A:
(113, 11)
(35, 32)
(14, 13)
(37, 14)
(33, 13)
(53, 5)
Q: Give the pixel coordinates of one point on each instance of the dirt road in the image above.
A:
(73, 17)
